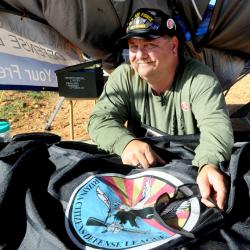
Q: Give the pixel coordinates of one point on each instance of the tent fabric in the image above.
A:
(225, 46)
(229, 26)
(94, 26)
(30, 52)
(228, 67)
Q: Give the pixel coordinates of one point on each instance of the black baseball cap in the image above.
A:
(149, 23)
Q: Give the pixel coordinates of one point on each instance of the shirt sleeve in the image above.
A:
(107, 120)
(210, 111)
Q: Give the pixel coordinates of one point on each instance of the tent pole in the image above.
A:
(71, 122)
(53, 115)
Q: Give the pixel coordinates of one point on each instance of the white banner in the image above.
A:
(30, 52)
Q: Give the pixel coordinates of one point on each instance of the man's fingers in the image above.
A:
(143, 161)
(153, 158)
(220, 194)
(214, 200)
(207, 202)
(213, 186)
(140, 153)
(204, 186)
(205, 190)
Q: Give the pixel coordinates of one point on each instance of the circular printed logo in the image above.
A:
(185, 106)
(170, 23)
(112, 211)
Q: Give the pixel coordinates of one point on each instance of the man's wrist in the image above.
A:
(208, 165)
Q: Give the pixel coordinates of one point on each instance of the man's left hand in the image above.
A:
(213, 185)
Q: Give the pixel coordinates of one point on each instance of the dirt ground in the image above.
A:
(37, 112)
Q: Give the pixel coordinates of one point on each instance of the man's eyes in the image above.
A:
(147, 47)
(150, 46)
(132, 47)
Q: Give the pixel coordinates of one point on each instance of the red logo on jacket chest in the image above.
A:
(185, 106)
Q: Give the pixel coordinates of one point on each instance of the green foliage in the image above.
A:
(14, 108)
(37, 95)
(7, 112)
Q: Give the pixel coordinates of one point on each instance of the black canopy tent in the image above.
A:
(94, 27)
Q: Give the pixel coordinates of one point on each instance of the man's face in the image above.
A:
(154, 57)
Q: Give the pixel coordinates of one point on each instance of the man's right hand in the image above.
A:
(213, 185)
(138, 153)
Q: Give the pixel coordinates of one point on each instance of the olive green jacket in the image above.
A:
(194, 104)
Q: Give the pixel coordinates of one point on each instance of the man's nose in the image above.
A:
(142, 52)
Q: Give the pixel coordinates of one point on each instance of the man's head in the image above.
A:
(153, 45)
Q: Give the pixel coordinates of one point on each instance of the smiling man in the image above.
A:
(155, 60)
(170, 92)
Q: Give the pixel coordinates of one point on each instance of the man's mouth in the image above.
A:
(149, 62)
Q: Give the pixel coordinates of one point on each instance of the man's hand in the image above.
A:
(138, 153)
(213, 185)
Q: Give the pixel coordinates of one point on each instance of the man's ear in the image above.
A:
(175, 44)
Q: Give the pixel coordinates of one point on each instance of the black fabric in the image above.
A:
(47, 138)
(38, 182)
(20, 143)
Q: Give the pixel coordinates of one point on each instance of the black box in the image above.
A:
(84, 80)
